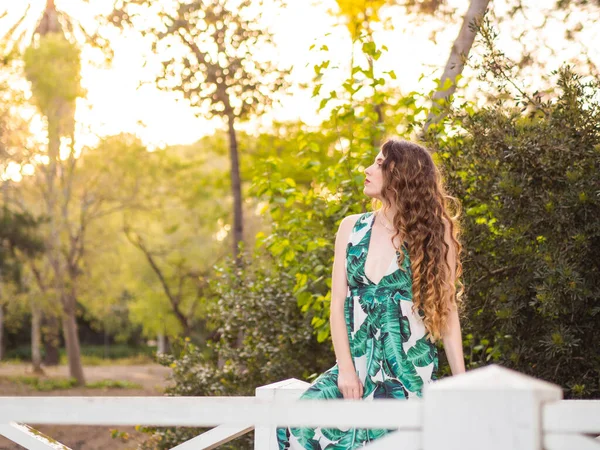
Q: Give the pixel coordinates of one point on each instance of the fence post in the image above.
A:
(265, 437)
(490, 408)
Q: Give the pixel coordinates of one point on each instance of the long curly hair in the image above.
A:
(414, 184)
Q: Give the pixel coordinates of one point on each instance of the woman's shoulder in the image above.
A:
(350, 222)
(350, 225)
(351, 219)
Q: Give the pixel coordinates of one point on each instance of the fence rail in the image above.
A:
(492, 408)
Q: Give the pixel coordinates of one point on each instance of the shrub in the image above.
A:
(528, 177)
(263, 338)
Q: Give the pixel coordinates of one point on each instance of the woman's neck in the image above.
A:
(387, 218)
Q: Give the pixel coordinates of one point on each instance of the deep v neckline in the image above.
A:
(368, 236)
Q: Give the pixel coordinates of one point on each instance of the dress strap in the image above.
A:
(360, 223)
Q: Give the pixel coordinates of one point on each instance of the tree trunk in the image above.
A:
(236, 188)
(51, 338)
(1, 331)
(49, 326)
(72, 340)
(53, 240)
(36, 338)
(60, 118)
(458, 56)
(64, 298)
(49, 22)
(161, 344)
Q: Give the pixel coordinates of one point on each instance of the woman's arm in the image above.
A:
(452, 338)
(348, 381)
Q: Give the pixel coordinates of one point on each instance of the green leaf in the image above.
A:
(422, 353)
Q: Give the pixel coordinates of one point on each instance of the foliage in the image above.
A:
(23, 22)
(53, 66)
(263, 333)
(210, 52)
(192, 375)
(263, 338)
(359, 14)
(307, 204)
(13, 125)
(528, 177)
(19, 234)
(18, 231)
(158, 246)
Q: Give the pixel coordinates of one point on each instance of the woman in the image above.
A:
(390, 302)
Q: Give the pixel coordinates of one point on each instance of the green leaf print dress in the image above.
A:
(391, 354)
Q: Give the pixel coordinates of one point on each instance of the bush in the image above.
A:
(263, 338)
(529, 178)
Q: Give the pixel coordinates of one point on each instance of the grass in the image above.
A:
(52, 384)
(113, 384)
(92, 360)
(94, 355)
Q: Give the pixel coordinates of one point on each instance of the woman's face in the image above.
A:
(374, 178)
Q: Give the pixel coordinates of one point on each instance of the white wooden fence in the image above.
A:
(491, 408)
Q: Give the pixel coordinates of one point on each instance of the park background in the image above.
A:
(174, 172)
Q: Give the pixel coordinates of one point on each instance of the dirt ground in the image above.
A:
(151, 377)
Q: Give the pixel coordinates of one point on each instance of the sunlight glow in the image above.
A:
(223, 232)
(12, 172)
(121, 98)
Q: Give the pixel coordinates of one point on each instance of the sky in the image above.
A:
(116, 103)
(296, 28)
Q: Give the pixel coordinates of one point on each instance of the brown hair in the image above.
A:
(414, 184)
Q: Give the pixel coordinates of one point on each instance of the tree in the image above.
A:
(210, 54)
(52, 65)
(164, 238)
(360, 15)
(525, 167)
(278, 343)
(17, 233)
(458, 56)
(18, 224)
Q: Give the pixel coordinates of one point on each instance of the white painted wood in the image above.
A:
(405, 440)
(490, 408)
(29, 438)
(211, 411)
(580, 416)
(265, 437)
(291, 388)
(213, 438)
(563, 441)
